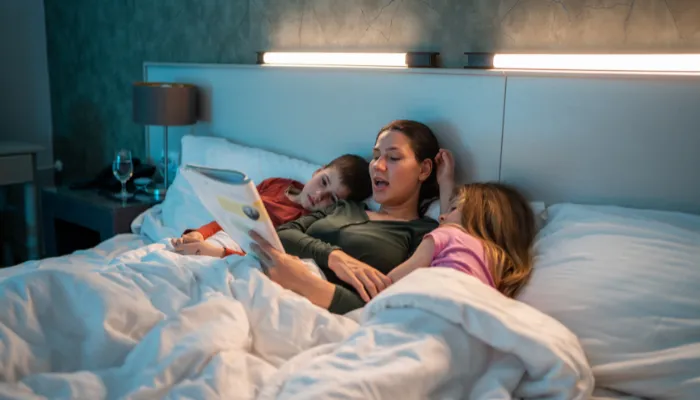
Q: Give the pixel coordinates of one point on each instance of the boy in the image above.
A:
(346, 177)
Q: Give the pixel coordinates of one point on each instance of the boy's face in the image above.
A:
(324, 189)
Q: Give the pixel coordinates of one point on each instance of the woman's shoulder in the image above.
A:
(423, 225)
(427, 221)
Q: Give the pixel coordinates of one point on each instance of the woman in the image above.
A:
(356, 248)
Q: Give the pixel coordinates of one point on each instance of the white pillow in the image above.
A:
(538, 209)
(181, 207)
(257, 163)
(626, 282)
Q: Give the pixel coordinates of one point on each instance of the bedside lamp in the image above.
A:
(164, 104)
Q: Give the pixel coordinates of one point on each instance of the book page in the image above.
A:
(234, 203)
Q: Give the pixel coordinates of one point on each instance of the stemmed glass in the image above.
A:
(123, 169)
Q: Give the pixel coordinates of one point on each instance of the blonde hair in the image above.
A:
(502, 219)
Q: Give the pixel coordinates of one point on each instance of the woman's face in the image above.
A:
(396, 174)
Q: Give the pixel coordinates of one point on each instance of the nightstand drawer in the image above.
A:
(16, 169)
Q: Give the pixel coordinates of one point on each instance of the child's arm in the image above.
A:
(205, 231)
(209, 229)
(203, 249)
(421, 258)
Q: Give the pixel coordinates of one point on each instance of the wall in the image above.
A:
(97, 47)
(25, 108)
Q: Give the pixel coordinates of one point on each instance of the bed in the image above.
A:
(611, 312)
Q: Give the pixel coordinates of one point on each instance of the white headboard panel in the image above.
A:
(317, 114)
(625, 140)
(631, 140)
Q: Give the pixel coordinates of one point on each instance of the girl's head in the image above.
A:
(502, 218)
(402, 166)
(344, 178)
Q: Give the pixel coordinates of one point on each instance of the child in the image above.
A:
(487, 233)
(346, 177)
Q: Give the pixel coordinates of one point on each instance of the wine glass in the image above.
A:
(123, 169)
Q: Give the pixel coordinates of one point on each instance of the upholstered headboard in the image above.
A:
(628, 140)
(619, 139)
(317, 114)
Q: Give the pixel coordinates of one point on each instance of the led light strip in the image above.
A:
(588, 62)
(397, 60)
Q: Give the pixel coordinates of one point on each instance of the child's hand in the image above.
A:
(190, 237)
(394, 275)
(399, 273)
(445, 168)
(199, 249)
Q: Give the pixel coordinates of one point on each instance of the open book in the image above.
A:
(234, 202)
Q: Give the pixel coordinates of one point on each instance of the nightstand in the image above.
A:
(81, 219)
(18, 166)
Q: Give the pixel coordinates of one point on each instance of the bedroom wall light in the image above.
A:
(387, 60)
(662, 63)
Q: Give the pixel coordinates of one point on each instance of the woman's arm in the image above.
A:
(344, 301)
(295, 240)
(324, 294)
(445, 177)
(366, 280)
(421, 258)
(291, 273)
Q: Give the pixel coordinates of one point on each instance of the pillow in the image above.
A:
(182, 209)
(538, 209)
(626, 282)
(257, 163)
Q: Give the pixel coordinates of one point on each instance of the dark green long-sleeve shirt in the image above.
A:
(347, 227)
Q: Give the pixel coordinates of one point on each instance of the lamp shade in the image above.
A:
(164, 104)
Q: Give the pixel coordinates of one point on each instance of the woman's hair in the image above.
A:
(425, 146)
(502, 219)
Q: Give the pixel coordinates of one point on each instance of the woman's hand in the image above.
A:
(445, 173)
(189, 237)
(199, 249)
(367, 281)
(285, 269)
(291, 273)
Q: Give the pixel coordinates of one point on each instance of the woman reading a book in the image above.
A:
(357, 248)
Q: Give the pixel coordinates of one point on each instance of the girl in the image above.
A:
(487, 232)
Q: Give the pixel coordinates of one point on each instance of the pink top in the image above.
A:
(455, 248)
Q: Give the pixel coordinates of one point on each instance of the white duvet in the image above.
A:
(153, 324)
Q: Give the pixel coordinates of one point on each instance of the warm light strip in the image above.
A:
(600, 62)
(336, 59)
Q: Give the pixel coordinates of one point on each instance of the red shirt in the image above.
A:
(273, 193)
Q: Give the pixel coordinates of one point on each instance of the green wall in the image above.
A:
(96, 47)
